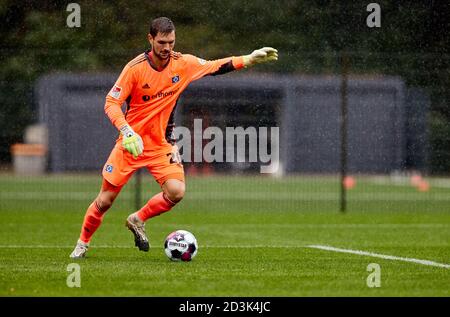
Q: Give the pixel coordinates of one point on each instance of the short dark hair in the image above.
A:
(161, 25)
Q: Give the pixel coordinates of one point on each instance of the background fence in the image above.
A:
(396, 93)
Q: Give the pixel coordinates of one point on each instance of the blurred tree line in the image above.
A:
(412, 42)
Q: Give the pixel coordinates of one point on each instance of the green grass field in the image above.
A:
(254, 237)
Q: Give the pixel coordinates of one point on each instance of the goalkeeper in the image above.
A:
(150, 85)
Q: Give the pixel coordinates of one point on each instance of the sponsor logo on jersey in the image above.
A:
(160, 94)
(175, 79)
(115, 92)
(109, 168)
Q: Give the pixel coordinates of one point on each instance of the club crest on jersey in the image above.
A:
(201, 61)
(109, 168)
(115, 92)
(175, 79)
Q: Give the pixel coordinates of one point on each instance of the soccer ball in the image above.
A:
(181, 245)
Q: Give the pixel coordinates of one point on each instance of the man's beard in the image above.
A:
(161, 57)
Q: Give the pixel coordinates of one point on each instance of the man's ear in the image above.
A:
(150, 38)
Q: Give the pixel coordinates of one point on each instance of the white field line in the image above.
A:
(40, 246)
(242, 226)
(406, 181)
(321, 247)
(317, 226)
(261, 196)
(444, 183)
(381, 256)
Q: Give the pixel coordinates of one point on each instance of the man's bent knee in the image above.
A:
(105, 199)
(107, 195)
(175, 196)
(174, 190)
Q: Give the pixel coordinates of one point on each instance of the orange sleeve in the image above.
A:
(117, 96)
(199, 67)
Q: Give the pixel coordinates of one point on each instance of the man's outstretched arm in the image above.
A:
(201, 68)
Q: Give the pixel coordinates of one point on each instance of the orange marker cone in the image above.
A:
(349, 182)
(424, 186)
(416, 179)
